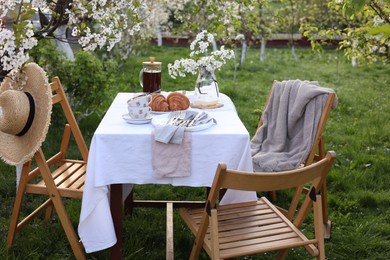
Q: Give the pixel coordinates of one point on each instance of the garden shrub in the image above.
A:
(86, 80)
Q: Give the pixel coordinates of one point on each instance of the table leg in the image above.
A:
(169, 231)
(117, 217)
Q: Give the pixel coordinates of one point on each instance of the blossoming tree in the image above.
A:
(362, 26)
(95, 23)
(239, 22)
(155, 18)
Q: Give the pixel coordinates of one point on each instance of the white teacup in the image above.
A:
(140, 101)
(139, 112)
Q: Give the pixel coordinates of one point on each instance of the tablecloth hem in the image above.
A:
(92, 249)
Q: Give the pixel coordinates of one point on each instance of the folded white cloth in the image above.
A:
(172, 160)
(169, 134)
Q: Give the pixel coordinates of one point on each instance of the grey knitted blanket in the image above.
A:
(289, 125)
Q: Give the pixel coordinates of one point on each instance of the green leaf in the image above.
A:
(383, 29)
(28, 14)
(358, 5)
(348, 11)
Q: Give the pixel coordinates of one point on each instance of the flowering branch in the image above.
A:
(95, 23)
(199, 47)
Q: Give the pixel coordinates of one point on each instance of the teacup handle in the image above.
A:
(151, 98)
(141, 78)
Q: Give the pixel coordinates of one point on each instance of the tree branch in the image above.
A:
(59, 10)
(379, 10)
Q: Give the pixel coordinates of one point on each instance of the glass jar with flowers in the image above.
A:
(206, 86)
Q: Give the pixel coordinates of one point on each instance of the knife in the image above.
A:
(195, 118)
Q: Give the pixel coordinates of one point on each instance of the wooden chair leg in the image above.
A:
(59, 207)
(15, 217)
(214, 235)
(49, 213)
(273, 196)
(73, 239)
(294, 202)
(327, 222)
(282, 254)
(318, 227)
(129, 203)
(169, 231)
(13, 227)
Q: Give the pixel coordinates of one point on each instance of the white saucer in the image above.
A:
(136, 121)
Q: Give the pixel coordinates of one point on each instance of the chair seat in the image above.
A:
(251, 227)
(69, 179)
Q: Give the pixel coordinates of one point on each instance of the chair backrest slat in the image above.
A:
(318, 144)
(232, 179)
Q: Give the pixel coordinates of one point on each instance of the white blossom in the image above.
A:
(377, 21)
(199, 47)
(110, 18)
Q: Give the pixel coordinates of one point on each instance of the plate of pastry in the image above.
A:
(174, 101)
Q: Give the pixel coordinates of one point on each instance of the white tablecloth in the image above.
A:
(121, 153)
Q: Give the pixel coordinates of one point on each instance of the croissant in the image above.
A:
(159, 103)
(178, 101)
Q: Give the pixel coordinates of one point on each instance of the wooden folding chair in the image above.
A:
(317, 153)
(56, 178)
(248, 228)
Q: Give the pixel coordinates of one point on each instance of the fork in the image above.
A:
(186, 122)
(198, 116)
(179, 116)
(172, 117)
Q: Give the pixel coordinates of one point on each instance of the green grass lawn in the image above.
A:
(358, 184)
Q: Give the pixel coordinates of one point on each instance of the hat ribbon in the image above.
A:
(30, 115)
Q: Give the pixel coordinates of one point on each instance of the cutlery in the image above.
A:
(177, 118)
(172, 117)
(185, 123)
(195, 118)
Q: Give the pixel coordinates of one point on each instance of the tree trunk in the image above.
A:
(293, 53)
(159, 37)
(235, 64)
(353, 62)
(215, 47)
(243, 52)
(262, 48)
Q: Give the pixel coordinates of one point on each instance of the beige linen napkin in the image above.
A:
(172, 160)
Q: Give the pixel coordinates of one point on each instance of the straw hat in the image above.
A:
(25, 111)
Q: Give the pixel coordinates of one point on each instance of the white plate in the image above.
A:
(136, 121)
(163, 119)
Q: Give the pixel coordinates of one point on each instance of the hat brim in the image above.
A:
(16, 150)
